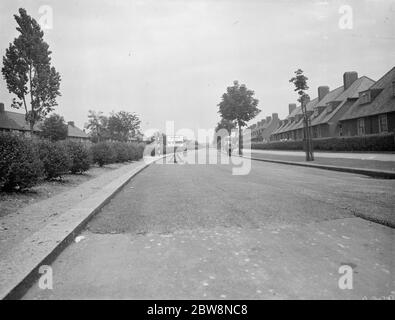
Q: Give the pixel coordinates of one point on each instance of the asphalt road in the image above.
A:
(198, 232)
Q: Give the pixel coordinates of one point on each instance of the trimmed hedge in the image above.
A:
(20, 166)
(108, 152)
(382, 142)
(80, 156)
(103, 153)
(24, 161)
(55, 158)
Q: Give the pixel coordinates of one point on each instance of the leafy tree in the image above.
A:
(54, 128)
(300, 83)
(123, 125)
(97, 124)
(28, 72)
(238, 104)
(226, 125)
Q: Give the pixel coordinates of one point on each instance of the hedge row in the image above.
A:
(115, 152)
(358, 143)
(24, 162)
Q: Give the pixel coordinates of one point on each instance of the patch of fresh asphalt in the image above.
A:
(197, 231)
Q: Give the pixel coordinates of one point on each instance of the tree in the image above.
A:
(224, 124)
(300, 83)
(28, 72)
(123, 125)
(54, 128)
(97, 124)
(238, 104)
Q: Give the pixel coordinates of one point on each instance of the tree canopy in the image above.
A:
(300, 83)
(120, 126)
(123, 125)
(54, 128)
(225, 124)
(28, 72)
(238, 104)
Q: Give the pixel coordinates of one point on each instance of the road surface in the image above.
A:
(199, 232)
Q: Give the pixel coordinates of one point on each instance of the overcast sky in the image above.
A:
(172, 60)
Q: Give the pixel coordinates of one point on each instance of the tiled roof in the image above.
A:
(352, 92)
(383, 103)
(73, 131)
(16, 121)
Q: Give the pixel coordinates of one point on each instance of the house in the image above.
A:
(324, 121)
(15, 122)
(262, 130)
(76, 134)
(374, 110)
(324, 111)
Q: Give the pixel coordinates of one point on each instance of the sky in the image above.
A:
(171, 60)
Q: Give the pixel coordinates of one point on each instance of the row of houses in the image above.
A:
(15, 122)
(360, 106)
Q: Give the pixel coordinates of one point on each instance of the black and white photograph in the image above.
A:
(198, 156)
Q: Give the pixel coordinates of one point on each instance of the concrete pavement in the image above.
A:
(336, 155)
(197, 231)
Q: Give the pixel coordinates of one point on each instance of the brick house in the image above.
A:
(324, 111)
(262, 130)
(325, 118)
(15, 122)
(374, 110)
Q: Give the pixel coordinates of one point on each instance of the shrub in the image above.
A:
(107, 152)
(140, 149)
(103, 153)
(121, 151)
(80, 157)
(20, 167)
(54, 157)
(358, 143)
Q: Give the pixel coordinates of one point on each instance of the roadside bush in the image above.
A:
(20, 167)
(358, 143)
(140, 149)
(55, 158)
(103, 153)
(108, 152)
(80, 157)
(121, 151)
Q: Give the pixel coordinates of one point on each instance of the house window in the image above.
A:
(393, 88)
(361, 126)
(383, 124)
(340, 129)
(364, 97)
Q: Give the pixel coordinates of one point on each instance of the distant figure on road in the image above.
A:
(230, 150)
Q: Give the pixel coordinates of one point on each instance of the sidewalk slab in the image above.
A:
(20, 267)
(376, 156)
(377, 173)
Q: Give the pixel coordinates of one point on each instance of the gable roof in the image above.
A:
(16, 121)
(74, 132)
(342, 96)
(384, 102)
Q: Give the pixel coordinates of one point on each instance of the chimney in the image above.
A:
(291, 107)
(268, 118)
(349, 78)
(322, 92)
(71, 123)
(275, 116)
(1, 107)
